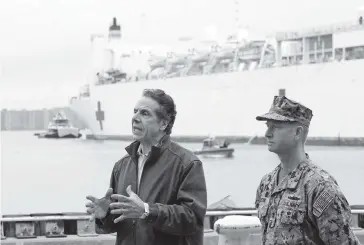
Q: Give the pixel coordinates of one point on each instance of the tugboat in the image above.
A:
(215, 148)
(59, 128)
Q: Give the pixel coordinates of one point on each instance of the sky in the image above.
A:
(45, 48)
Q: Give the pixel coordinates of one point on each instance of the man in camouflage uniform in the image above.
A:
(298, 202)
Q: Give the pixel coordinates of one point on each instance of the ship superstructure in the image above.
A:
(224, 85)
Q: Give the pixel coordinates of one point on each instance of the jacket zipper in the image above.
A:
(137, 192)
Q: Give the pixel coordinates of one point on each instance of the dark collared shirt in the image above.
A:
(307, 207)
(143, 157)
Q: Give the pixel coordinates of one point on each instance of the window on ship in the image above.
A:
(350, 53)
(354, 53)
(338, 54)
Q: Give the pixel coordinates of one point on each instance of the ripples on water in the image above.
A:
(45, 175)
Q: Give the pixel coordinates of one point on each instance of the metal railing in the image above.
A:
(65, 216)
(77, 226)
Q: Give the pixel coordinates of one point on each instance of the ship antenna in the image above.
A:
(237, 20)
(237, 13)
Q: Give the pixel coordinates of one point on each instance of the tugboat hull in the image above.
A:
(60, 128)
(55, 135)
(215, 152)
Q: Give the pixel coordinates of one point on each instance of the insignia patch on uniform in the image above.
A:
(322, 202)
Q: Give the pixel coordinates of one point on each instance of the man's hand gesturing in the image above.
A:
(98, 207)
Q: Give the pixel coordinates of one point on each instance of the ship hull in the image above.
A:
(226, 104)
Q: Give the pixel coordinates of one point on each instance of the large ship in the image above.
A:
(219, 87)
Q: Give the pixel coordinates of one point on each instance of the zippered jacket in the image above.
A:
(173, 184)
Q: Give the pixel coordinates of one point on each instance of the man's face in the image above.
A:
(281, 136)
(146, 125)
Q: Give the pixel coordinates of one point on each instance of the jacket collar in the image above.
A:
(134, 151)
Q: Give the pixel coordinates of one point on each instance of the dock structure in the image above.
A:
(34, 119)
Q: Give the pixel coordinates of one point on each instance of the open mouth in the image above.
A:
(136, 129)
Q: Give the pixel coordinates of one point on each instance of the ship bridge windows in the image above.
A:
(292, 60)
(339, 54)
(354, 53)
(321, 57)
(319, 43)
(349, 53)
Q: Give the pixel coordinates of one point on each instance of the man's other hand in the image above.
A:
(98, 207)
(128, 207)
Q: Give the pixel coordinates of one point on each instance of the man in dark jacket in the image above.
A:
(157, 192)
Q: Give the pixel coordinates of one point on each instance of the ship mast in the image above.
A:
(237, 23)
(237, 15)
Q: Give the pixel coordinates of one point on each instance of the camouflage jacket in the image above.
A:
(307, 207)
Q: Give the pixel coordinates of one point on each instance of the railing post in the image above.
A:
(2, 231)
(25, 230)
(55, 228)
(86, 228)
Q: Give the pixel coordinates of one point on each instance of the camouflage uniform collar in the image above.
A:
(292, 179)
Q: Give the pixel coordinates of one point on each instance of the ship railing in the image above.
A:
(70, 216)
(211, 217)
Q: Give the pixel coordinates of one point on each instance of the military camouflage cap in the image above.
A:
(286, 110)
